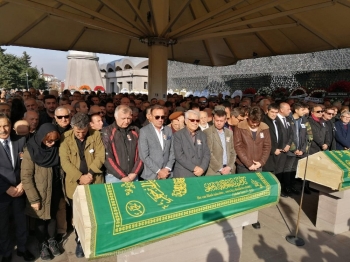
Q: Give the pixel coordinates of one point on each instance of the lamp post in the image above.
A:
(27, 80)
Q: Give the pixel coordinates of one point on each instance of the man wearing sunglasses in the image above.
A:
(319, 130)
(156, 146)
(328, 115)
(62, 118)
(192, 153)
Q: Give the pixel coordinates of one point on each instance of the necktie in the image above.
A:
(276, 130)
(284, 122)
(7, 149)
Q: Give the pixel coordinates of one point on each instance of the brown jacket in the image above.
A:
(216, 150)
(70, 160)
(248, 149)
(37, 183)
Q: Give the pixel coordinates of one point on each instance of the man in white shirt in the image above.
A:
(156, 146)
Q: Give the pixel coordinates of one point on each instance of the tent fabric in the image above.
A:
(205, 32)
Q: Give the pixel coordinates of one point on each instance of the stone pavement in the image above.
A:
(268, 243)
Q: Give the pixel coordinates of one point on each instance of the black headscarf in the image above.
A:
(41, 154)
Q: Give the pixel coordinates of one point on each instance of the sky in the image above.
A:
(53, 62)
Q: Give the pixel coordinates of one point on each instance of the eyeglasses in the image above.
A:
(157, 117)
(194, 120)
(330, 114)
(202, 102)
(60, 117)
(319, 111)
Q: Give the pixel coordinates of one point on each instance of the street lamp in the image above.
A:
(27, 80)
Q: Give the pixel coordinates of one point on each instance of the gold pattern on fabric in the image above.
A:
(135, 208)
(117, 218)
(153, 191)
(180, 188)
(226, 184)
(153, 185)
(92, 219)
(128, 188)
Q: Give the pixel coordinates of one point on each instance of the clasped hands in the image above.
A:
(255, 166)
(198, 171)
(15, 191)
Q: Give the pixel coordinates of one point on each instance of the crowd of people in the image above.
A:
(51, 143)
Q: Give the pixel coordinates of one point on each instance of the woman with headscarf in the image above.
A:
(40, 175)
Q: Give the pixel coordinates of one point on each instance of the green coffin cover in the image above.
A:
(126, 215)
(342, 159)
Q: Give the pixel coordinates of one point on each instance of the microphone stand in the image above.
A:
(294, 239)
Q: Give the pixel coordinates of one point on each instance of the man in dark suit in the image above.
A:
(12, 198)
(275, 129)
(191, 150)
(156, 146)
(286, 159)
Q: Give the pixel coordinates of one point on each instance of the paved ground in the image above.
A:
(268, 243)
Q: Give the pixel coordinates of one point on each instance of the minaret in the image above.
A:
(83, 69)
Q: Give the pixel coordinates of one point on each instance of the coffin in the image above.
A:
(327, 168)
(122, 218)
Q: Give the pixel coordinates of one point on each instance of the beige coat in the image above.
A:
(37, 183)
(70, 160)
(216, 150)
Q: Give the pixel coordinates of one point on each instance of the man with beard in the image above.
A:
(203, 103)
(50, 105)
(110, 113)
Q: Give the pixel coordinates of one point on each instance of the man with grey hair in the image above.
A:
(342, 133)
(192, 153)
(62, 119)
(82, 155)
(32, 117)
(264, 104)
(120, 139)
(31, 104)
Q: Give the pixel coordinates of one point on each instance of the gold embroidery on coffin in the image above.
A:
(128, 188)
(120, 228)
(153, 191)
(180, 188)
(225, 184)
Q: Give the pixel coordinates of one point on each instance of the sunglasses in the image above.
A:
(51, 141)
(203, 102)
(60, 117)
(157, 117)
(319, 111)
(330, 114)
(194, 120)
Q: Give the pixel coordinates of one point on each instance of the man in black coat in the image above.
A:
(328, 115)
(12, 197)
(275, 129)
(320, 140)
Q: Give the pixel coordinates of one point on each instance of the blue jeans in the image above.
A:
(112, 179)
